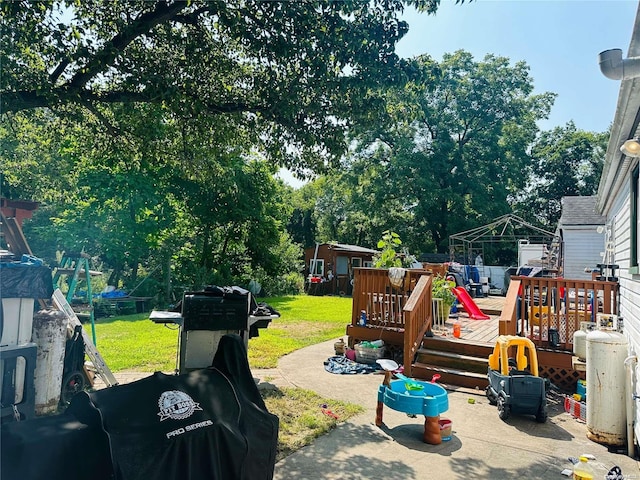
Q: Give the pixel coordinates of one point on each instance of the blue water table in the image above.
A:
(412, 397)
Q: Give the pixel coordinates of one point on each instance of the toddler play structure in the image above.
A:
(412, 397)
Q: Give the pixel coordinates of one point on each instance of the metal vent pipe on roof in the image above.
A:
(614, 67)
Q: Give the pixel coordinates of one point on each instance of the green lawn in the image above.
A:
(133, 342)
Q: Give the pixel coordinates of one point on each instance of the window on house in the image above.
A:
(342, 266)
(356, 262)
(367, 263)
(635, 208)
(319, 268)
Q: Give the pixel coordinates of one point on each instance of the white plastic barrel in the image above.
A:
(606, 413)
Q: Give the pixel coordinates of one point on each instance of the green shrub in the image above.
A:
(291, 283)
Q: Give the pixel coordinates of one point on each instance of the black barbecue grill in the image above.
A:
(205, 316)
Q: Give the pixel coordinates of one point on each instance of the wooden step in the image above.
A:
(464, 347)
(459, 362)
(452, 376)
(453, 360)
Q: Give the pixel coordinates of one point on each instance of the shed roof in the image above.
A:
(580, 211)
(346, 248)
(343, 247)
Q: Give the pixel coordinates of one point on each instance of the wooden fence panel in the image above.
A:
(550, 310)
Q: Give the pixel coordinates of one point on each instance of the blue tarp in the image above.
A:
(114, 294)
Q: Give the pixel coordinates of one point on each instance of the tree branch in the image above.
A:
(105, 57)
(114, 131)
(24, 100)
(53, 78)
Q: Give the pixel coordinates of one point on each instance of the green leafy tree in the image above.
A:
(452, 147)
(566, 161)
(302, 224)
(291, 75)
(145, 128)
(352, 210)
(148, 199)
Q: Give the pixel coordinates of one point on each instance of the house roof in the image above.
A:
(342, 247)
(580, 211)
(617, 166)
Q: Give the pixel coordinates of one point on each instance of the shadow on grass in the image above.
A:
(304, 416)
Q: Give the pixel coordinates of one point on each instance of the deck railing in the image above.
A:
(418, 317)
(406, 309)
(550, 310)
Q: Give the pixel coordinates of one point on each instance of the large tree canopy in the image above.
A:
(161, 197)
(566, 161)
(451, 151)
(292, 75)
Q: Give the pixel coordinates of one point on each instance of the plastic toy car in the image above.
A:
(514, 384)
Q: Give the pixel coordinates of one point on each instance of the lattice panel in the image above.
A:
(564, 379)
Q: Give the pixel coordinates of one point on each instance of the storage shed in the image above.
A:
(582, 240)
(334, 264)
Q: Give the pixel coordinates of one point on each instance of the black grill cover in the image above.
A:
(206, 424)
(56, 447)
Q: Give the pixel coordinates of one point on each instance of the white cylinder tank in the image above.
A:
(606, 414)
(580, 344)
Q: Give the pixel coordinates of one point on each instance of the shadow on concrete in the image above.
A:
(328, 455)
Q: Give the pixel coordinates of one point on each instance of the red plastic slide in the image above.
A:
(469, 305)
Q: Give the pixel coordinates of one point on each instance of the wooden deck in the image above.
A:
(482, 331)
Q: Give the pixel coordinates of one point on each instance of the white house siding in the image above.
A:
(582, 247)
(613, 201)
(629, 284)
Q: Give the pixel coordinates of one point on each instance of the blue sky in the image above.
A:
(559, 39)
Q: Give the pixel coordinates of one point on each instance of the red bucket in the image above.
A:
(445, 429)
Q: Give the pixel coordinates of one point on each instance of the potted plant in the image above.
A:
(443, 289)
(388, 257)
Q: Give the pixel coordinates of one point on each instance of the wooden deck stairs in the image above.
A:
(463, 364)
(430, 349)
